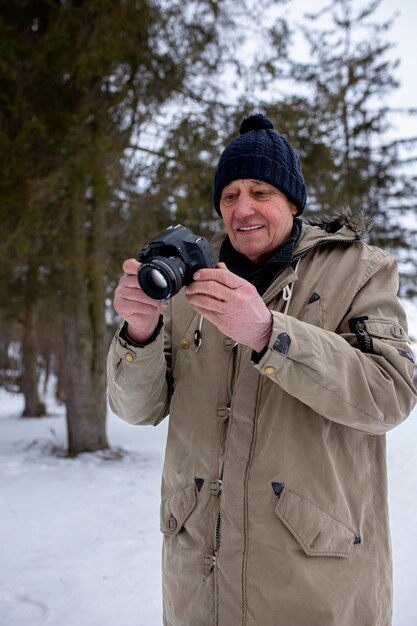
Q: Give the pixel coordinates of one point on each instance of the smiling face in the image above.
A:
(257, 216)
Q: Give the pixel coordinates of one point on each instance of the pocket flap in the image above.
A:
(176, 509)
(385, 329)
(317, 532)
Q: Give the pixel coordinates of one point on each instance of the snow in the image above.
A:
(80, 540)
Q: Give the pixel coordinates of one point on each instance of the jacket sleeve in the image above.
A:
(361, 374)
(139, 378)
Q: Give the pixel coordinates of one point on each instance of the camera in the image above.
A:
(170, 260)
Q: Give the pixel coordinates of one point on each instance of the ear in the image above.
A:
(294, 209)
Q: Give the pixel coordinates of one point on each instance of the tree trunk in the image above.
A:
(85, 404)
(29, 384)
(60, 375)
(84, 337)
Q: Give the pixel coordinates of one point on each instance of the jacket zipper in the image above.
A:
(215, 568)
(246, 498)
(217, 530)
(217, 533)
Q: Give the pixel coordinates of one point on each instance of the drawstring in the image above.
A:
(286, 296)
(288, 289)
(198, 334)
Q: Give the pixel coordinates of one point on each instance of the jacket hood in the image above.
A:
(357, 221)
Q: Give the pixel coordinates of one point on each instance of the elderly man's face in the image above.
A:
(258, 218)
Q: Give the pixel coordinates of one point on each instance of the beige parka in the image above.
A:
(274, 491)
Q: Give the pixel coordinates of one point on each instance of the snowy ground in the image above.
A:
(79, 538)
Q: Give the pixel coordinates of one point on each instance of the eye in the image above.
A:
(262, 193)
(228, 197)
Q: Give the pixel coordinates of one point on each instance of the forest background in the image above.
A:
(112, 119)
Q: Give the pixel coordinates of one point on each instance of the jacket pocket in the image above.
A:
(317, 532)
(176, 509)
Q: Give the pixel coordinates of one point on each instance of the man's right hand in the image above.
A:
(133, 305)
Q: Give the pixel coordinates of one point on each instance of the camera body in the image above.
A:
(170, 260)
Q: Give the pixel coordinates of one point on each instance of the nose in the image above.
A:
(244, 206)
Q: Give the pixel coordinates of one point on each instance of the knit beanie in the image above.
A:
(261, 153)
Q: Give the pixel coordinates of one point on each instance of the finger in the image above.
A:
(138, 307)
(212, 289)
(131, 266)
(220, 275)
(129, 294)
(129, 289)
(206, 302)
(211, 316)
(132, 307)
(129, 281)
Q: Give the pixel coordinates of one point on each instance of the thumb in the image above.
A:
(131, 266)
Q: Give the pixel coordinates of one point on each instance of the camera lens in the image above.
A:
(162, 277)
(158, 279)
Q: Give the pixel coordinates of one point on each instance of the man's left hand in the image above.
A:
(232, 304)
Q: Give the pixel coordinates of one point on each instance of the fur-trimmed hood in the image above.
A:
(357, 221)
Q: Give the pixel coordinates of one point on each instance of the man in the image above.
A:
(274, 491)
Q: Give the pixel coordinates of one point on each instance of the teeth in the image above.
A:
(250, 228)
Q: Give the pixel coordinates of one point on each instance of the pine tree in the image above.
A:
(77, 80)
(349, 76)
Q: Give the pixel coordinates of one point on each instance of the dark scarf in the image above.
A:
(260, 276)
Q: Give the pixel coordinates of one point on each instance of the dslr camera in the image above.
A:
(170, 260)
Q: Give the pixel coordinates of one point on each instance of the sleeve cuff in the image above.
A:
(123, 334)
(275, 353)
(257, 356)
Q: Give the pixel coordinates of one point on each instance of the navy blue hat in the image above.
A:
(262, 154)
